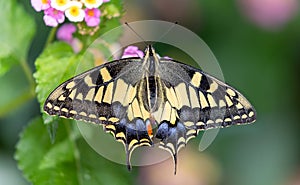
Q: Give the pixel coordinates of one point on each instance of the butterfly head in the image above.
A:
(151, 60)
(150, 51)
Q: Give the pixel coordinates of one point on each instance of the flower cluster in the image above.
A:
(133, 51)
(55, 11)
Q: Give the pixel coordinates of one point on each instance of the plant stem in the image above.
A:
(73, 138)
(17, 102)
(30, 94)
(50, 36)
(28, 74)
(24, 97)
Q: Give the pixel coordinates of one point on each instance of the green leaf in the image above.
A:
(17, 30)
(69, 161)
(60, 152)
(56, 64)
(32, 149)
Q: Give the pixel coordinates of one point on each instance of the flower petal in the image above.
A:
(92, 3)
(40, 5)
(65, 32)
(74, 12)
(61, 5)
(132, 51)
(50, 21)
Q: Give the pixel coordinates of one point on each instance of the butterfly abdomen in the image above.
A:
(150, 93)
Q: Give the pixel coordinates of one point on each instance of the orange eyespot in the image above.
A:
(149, 129)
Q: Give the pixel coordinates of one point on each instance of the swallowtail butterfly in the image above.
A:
(139, 99)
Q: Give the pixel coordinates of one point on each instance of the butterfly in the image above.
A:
(138, 100)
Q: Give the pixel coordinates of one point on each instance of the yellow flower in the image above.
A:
(74, 12)
(61, 5)
(92, 3)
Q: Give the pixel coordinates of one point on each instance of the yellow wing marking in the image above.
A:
(136, 109)
(171, 96)
(173, 116)
(130, 113)
(92, 116)
(61, 98)
(182, 95)
(222, 103)
(194, 98)
(90, 94)
(70, 85)
(88, 81)
(239, 106)
(72, 94)
(121, 134)
(130, 94)
(49, 105)
(228, 101)
(64, 110)
(79, 96)
(251, 114)
(211, 101)
(112, 127)
(102, 118)
(132, 143)
(99, 95)
(120, 91)
(227, 120)
(203, 101)
(213, 87)
(158, 114)
(108, 93)
(166, 114)
(105, 74)
(230, 92)
(196, 80)
(73, 112)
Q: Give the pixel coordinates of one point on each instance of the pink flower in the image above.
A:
(269, 14)
(92, 17)
(76, 44)
(53, 17)
(132, 51)
(65, 32)
(168, 58)
(39, 5)
(105, 1)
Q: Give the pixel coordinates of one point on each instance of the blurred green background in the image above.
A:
(257, 43)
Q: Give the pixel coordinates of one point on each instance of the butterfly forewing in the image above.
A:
(88, 96)
(210, 102)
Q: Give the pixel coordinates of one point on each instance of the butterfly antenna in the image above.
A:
(139, 36)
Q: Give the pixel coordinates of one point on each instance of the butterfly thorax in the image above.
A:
(150, 87)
